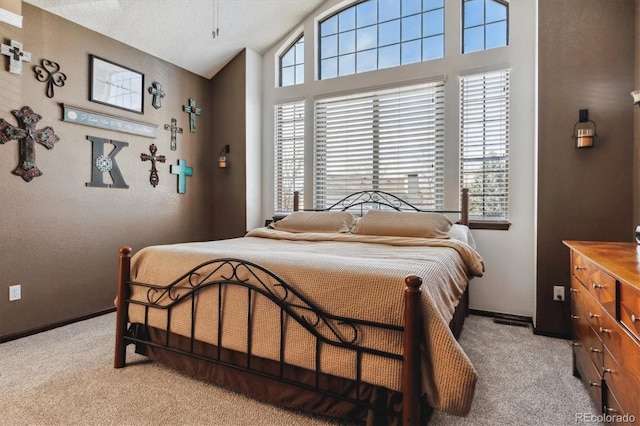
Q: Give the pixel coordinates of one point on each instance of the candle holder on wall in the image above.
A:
(222, 158)
(584, 131)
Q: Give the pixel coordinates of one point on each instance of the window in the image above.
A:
(376, 34)
(485, 24)
(389, 140)
(289, 154)
(484, 144)
(292, 64)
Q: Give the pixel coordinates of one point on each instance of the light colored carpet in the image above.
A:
(65, 377)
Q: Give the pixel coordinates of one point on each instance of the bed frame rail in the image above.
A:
(326, 328)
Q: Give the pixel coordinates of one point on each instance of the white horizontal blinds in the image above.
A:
(389, 140)
(484, 143)
(289, 154)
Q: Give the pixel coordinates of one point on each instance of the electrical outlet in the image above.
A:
(558, 293)
(15, 292)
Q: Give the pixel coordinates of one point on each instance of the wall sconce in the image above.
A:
(636, 97)
(584, 131)
(222, 158)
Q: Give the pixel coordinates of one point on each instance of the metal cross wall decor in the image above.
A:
(27, 135)
(49, 72)
(174, 130)
(16, 56)
(158, 93)
(182, 170)
(153, 178)
(193, 112)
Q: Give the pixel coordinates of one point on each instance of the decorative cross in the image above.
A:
(182, 171)
(27, 135)
(16, 56)
(157, 92)
(193, 112)
(174, 129)
(154, 179)
(49, 73)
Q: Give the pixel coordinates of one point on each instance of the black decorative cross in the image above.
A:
(16, 56)
(193, 112)
(174, 129)
(154, 179)
(50, 73)
(158, 93)
(28, 136)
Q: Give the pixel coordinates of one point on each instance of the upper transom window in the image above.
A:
(377, 34)
(485, 24)
(292, 64)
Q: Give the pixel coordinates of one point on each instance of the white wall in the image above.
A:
(508, 285)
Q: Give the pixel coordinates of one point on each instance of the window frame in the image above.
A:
(484, 26)
(481, 222)
(384, 166)
(376, 48)
(292, 46)
(297, 125)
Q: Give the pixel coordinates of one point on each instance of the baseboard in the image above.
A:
(51, 326)
(507, 319)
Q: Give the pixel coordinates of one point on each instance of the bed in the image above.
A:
(323, 311)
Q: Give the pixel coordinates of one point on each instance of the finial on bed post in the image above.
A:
(411, 377)
(464, 207)
(296, 200)
(124, 271)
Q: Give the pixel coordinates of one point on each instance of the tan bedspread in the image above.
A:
(346, 274)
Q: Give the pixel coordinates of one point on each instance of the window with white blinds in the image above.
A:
(484, 144)
(390, 140)
(289, 154)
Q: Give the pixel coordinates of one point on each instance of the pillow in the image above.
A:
(315, 222)
(403, 224)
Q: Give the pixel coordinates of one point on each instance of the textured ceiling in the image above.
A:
(179, 31)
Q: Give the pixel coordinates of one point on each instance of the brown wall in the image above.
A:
(229, 126)
(586, 61)
(59, 239)
(13, 6)
(636, 126)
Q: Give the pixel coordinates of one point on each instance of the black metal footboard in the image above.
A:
(256, 281)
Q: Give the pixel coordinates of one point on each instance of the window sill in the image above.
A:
(487, 224)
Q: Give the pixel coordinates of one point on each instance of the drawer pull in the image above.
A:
(606, 370)
(610, 410)
(597, 286)
(596, 350)
(574, 316)
(593, 315)
(634, 318)
(574, 290)
(575, 343)
(595, 384)
(604, 330)
(580, 268)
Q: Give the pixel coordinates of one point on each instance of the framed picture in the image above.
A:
(114, 85)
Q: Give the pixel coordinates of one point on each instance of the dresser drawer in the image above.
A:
(630, 308)
(613, 410)
(599, 284)
(622, 385)
(624, 348)
(585, 305)
(589, 375)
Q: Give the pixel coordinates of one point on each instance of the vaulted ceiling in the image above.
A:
(180, 31)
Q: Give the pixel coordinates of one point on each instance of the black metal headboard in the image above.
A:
(359, 200)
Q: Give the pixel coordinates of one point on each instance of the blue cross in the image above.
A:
(182, 171)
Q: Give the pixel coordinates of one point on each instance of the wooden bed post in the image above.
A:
(124, 271)
(411, 377)
(464, 207)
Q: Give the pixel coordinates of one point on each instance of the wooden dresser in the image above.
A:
(605, 314)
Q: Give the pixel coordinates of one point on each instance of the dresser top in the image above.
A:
(620, 260)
